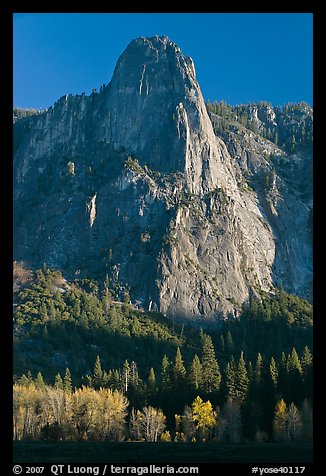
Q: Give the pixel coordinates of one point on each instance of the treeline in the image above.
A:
(252, 395)
(293, 128)
(20, 113)
(58, 412)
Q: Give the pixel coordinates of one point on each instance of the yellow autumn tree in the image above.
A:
(99, 414)
(204, 418)
(112, 412)
(30, 414)
(279, 423)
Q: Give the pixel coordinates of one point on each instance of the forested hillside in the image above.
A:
(77, 348)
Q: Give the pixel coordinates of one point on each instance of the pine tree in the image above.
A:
(126, 297)
(306, 359)
(258, 372)
(24, 381)
(282, 374)
(151, 382)
(293, 362)
(165, 375)
(242, 380)
(67, 383)
(273, 373)
(30, 377)
(195, 373)
(258, 378)
(211, 375)
(43, 312)
(105, 379)
(294, 378)
(230, 379)
(39, 381)
(116, 378)
(268, 395)
(58, 382)
(179, 371)
(307, 371)
(97, 373)
(76, 311)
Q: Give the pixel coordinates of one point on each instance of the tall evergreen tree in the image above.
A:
(282, 375)
(294, 378)
(242, 380)
(268, 395)
(195, 373)
(273, 373)
(58, 382)
(25, 381)
(67, 382)
(293, 361)
(257, 383)
(39, 381)
(151, 383)
(30, 377)
(211, 375)
(165, 374)
(126, 297)
(258, 372)
(97, 373)
(307, 371)
(179, 371)
(230, 378)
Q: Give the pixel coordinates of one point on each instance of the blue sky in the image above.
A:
(239, 57)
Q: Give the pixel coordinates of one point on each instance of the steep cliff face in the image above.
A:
(133, 182)
(281, 178)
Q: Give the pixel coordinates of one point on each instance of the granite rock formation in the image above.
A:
(139, 182)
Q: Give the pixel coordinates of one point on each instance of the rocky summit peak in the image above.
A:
(156, 41)
(149, 49)
(134, 183)
(156, 89)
